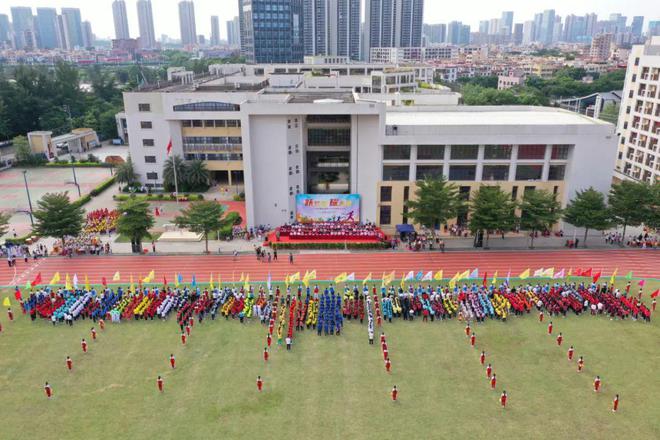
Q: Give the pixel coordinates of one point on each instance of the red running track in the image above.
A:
(643, 263)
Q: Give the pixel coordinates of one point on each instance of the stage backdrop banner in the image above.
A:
(327, 207)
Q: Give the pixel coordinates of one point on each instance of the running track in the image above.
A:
(643, 263)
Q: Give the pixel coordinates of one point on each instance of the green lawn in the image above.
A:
(329, 387)
(145, 240)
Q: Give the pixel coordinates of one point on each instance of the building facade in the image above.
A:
(46, 26)
(215, 30)
(332, 27)
(73, 29)
(23, 27)
(146, 24)
(234, 32)
(639, 117)
(393, 23)
(601, 46)
(120, 20)
(187, 24)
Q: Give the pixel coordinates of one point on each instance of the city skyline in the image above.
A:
(167, 21)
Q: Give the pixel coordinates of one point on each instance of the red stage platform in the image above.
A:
(286, 239)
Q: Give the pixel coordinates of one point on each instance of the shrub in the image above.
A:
(233, 218)
(102, 187)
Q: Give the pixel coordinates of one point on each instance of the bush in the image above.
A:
(233, 218)
(92, 158)
(83, 200)
(348, 245)
(18, 240)
(102, 187)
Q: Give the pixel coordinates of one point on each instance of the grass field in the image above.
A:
(330, 387)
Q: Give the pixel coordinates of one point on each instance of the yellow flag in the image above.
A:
(132, 285)
(387, 279)
(438, 275)
(286, 280)
(152, 276)
(87, 286)
(309, 276)
(524, 275)
(67, 283)
(613, 277)
(465, 274)
(56, 279)
(366, 279)
(211, 282)
(495, 278)
(549, 273)
(294, 277)
(6, 302)
(176, 280)
(452, 281)
(341, 278)
(570, 272)
(116, 276)
(403, 281)
(219, 281)
(246, 284)
(242, 278)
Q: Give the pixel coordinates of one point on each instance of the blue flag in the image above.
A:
(194, 281)
(269, 282)
(419, 275)
(179, 277)
(474, 274)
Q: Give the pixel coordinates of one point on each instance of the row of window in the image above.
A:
(211, 123)
(329, 136)
(212, 140)
(214, 156)
(469, 172)
(207, 107)
(471, 152)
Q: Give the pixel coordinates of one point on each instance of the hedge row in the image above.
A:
(79, 165)
(347, 245)
(157, 197)
(102, 187)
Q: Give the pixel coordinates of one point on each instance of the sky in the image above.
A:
(99, 12)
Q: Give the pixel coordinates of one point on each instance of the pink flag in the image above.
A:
(641, 283)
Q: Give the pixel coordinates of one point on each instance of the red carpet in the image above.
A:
(287, 239)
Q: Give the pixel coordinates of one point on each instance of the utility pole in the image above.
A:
(75, 180)
(28, 196)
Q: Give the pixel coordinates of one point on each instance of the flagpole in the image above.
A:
(176, 183)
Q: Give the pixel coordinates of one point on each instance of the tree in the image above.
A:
(168, 172)
(22, 150)
(57, 217)
(610, 113)
(125, 172)
(436, 201)
(540, 210)
(4, 223)
(630, 203)
(135, 220)
(203, 218)
(491, 209)
(588, 210)
(196, 175)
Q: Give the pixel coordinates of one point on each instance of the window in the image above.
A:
(186, 123)
(462, 172)
(385, 215)
(529, 189)
(144, 107)
(220, 123)
(207, 107)
(396, 152)
(559, 152)
(464, 193)
(148, 142)
(495, 172)
(146, 124)
(406, 193)
(209, 123)
(556, 172)
(430, 152)
(152, 176)
(395, 172)
(197, 123)
(637, 61)
(233, 123)
(531, 152)
(385, 193)
(428, 172)
(150, 159)
(514, 193)
(529, 172)
(329, 136)
(464, 152)
(634, 77)
(497, 152)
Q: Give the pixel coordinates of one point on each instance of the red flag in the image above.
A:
(169, 147)
(578, 272)
(596, 276)
(485, 279)
(17, 295)
(656, 293)
(164, 281)
(104, 282)
(586, 273)
(36, 281)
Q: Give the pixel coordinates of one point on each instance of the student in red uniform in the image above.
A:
(102, 324)
(597, 384)
(503, 399)
(69, 363)
(10, 314)
(570, 353)
(183, 338)
(473, 339)
(653, 303)
(383, 346)
(560, 338)
(265, 354)
(83, 343)
(550, 328)
(482, 357)
(489, 370)
(188, 329)
(159, 382)
(0, 327)
(382, 338)
(388, 365)
(467, 329)
(93, 331)
(493, 381)
(172, 361)
(49, 390)
(260, 383)
(269, 339)
(191, 320)
(541, 316)
(385, 354)
(580, 364)
(615, 403)
(395, 393)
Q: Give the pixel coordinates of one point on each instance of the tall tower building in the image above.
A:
(187, 22)
(5, 30)
(332, 27)
(506, 22)
(547, 26)
(215, 30)
(88, 35)
(393, 23)
(272, 38)
(23, 25)
(637, 25)
(73, 27)
(46, 26)
(234, 32)
(146, 24)
(121, 20)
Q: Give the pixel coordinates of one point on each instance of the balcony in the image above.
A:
(222, 148)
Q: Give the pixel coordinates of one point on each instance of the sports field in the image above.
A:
(331, 386)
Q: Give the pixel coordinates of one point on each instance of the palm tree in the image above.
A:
(125, 172)
(197, 176)
(168, 172)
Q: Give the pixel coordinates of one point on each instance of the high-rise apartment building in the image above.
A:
(215, 30)
(234, 32)
(637, 25)
(5, 30)
(591, 21)
(187, 23)
(547, 26)
(267, 37)
(506, 22)
(529, 32)
(332, 27)
(146, 24)
(121, 20)
(46, 27)
(435, 33)
(72, 23)
(23, 27)
(517, 36)
(393, 23)
(88, 35)
(639, 117)
(601, 46)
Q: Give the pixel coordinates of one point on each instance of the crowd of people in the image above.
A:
(330, 230)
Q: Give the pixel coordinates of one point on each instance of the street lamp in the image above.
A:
(75, 181)
(28, 196)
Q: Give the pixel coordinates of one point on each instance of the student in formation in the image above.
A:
(482, 357)
(493, 381)
(541, 316)
(269, 339)
(580, 364)
(188, 329)
(489, 371)
(382, 338)
(395, 393)
(159, 382)
(597, 384)
(48, 390)
(388, 365)
(473, 339)
(260, 383)
(69, 363)
(550, 328)
(102, 324)
(615, 403)
(371, 337)
(570, 353)
(10, 314)
(172, 361)
(183, 338)
(83, 344)
(560, 338)
(503, 398)
(467, 329)
(93, 332)
(265, 354)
